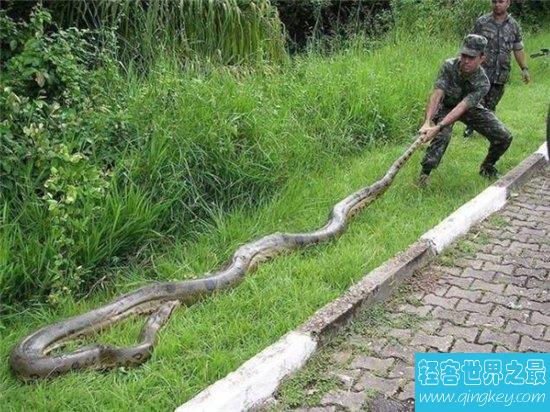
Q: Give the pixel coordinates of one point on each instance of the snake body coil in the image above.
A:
(31, 359)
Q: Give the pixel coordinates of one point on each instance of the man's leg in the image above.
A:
(438, 145)
(485, 122)
(435, 151)
(490, 101)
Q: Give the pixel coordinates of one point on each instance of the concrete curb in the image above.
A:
(459, 222)
(524, 171)
(256, 380)
(545, 151)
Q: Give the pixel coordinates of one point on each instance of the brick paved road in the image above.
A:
(490, 292)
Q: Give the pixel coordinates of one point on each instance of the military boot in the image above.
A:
(488, 171)
(422, 180)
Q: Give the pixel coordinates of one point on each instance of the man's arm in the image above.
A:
(429, 132)
(520, 59)
(454, 114)
(436, 98)
(519, 54)
(431, 108)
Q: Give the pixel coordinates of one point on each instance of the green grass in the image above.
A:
(204, 342)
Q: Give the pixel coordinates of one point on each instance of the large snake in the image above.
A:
(32, 359)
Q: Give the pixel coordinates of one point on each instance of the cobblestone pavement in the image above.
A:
(487, 293)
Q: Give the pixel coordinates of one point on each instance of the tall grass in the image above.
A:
(223, 31)
(184, 145)
(447, 18)
(216, 140)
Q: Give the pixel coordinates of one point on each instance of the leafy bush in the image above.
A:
(53, 178)
(46, 88)
(534, 14)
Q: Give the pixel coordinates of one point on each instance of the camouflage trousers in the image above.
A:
(494, 95)
(483, 121)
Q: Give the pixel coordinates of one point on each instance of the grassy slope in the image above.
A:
(206, 341)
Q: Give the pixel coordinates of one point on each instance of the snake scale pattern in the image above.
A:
(32, 359)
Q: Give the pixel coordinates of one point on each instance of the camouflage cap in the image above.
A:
(473, 45)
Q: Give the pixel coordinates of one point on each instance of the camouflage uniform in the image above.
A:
(502, 38)
(471, 88)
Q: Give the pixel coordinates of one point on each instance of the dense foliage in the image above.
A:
(99, 157)
(321, 20)
(95, 161)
